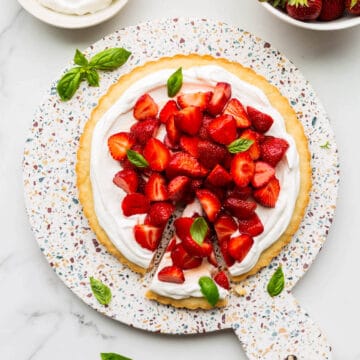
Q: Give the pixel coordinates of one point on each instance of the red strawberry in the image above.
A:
(210, 154)
(239, 193)
(195, 249)
(219, 176)
(157, 154)
(155, 188)
(251, 226)
(212, 259)
(171, 244)
(353, 6)
(183, 259)
(182, 163)
(172, 274)
(209, 202)
(148, 236)
(182, 227)
(332, 9)
(237, 111)
(135, 203)
(242, 169)
(261, 122)
(219, 191)
(273, 149)
(304, 9)
(169, 109)
(203, 132)
(170, 145)
(119, 143)
(242, 209)
(144, 130)
(145, 107)
(222, 280)
(199, 99)
(239, 246)
(196, 184)
(160, 213)
(263, 174)
(223, 129)
(189, 120)
(127, 180)
(268, 194)
(178, 187)
(224, 227)
(173, 133)
(254, 150)
(190, 145)
(221, 95)
(224, 247)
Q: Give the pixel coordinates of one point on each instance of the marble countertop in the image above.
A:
(40, 318)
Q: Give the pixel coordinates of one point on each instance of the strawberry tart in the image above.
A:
(206, 149)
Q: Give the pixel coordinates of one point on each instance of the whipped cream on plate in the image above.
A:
(76, 7)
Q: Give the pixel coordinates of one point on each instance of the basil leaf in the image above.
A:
(113, 356)
(174, 82)
(69, 83)
(101, 292)
(277, 283)
(136, 159)
(199, 229)
(92, 76)
(79, 58)
(209, 290)
(110, 59)
(240, 145)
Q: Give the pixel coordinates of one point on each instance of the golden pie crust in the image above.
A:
(279, 102)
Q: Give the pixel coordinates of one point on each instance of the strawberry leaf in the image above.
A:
(101, 292)
(198, 230)
(136, 159)
(240, 145)
(174, 82)
(209, 290)
(277, 283)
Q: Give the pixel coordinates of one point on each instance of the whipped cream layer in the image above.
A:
(76, 7)
(107, 197)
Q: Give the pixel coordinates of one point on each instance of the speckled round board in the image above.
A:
(269, 328)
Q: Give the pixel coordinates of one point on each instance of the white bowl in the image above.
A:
(344, 22)
(71, 21)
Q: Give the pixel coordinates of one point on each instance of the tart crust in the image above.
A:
(279, 102)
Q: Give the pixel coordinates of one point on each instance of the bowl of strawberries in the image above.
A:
(316, 14)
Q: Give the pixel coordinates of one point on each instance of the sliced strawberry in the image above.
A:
(135, 203)
(242, 209)
(148, 236)
(223, 129)
(242, 169)
(173, 133)
(199, 99)
(239, 246)
(178, 188)
(268, 194)
(127, 180)
(222, 280)
(145, 107)
(172, 274)
(195, 249)
(209, 202)
(182, 163)
(261, 122)
(273, 149)
(169, 109)
(141, 186)
(226, 161)
(183, 259)
(263, 174)
(221, 95)
(182, 227)
(212, 259)
(219, 176)
(239, 193)
(203, 132)
(119, 143)
(143, 131)
(160, 213)
(219, 191)
(171, 245)
(224, 247)
(155, 188)
(190, 145)
(251, 226)
(170, 145)
(210, 154)
(189, 120)
(157, 154)
(237, 111)
(224, 227)
(196, 184)
(254, 150)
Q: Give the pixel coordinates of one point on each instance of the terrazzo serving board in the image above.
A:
(268, 328)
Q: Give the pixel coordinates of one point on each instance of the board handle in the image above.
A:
(280, 329)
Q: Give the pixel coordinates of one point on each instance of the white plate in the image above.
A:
(71, 21)
(342, 23)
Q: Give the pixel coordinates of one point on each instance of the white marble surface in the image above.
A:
(40, 319)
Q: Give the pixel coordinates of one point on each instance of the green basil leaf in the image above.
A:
(174, 82)
(79, 58)
(199, 229)
(101, 292)
(277, 283)
(240, 145)
(113, 356)
(92, 76)
(110, 59)
(69, 83)
(136, 159)
(209, 290)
